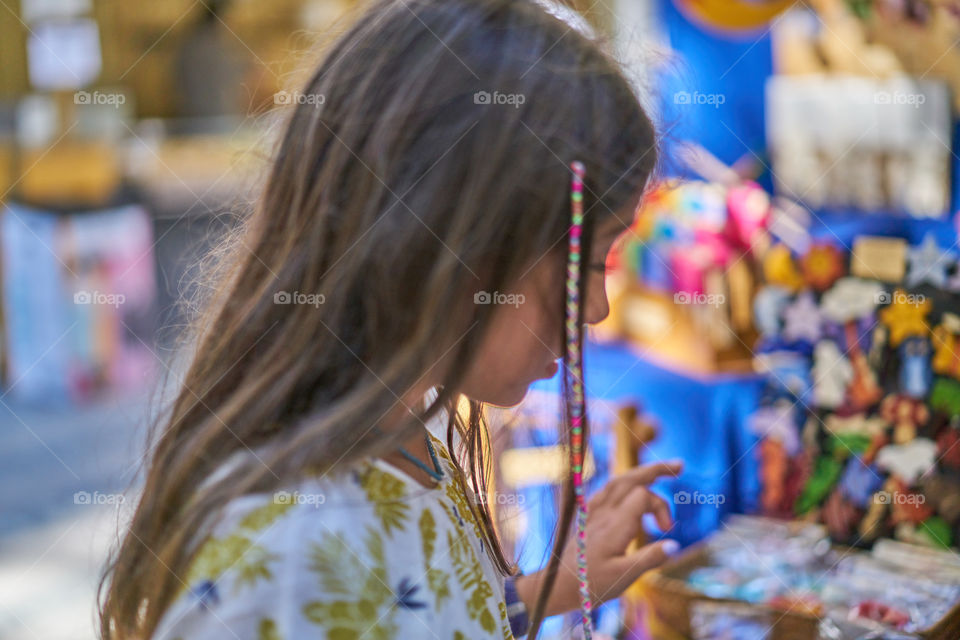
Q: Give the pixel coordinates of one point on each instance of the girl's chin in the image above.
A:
(513, 395)
(509, 397)
(552, 369)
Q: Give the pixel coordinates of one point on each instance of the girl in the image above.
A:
(404, 265)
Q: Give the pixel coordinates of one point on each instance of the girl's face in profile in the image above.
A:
(524, 341)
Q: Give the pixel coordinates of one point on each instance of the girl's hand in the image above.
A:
(614, 520)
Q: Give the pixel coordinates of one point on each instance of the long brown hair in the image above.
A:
(425, 159)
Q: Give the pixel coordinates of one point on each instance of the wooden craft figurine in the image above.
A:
(946, 345)
(906, 414)
(632, 436)
(948, 448)
(839, 515)
(916, 376)
(863, 391)
(780, 269)
(831, 372)
(775, 426)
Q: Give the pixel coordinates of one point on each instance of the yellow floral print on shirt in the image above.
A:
(356, 608)
(471, 581)
(380, 558)
(386, 493)
(437, 579)
(237, 551)
(268, 630)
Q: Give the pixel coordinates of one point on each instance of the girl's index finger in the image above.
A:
(618, 487)
(646, 474)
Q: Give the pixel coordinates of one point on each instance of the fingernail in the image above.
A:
(670, 547)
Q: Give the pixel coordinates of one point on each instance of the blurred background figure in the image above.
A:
(209, 68)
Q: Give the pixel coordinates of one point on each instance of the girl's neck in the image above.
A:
(415, 445)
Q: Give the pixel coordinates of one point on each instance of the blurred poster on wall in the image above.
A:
(78, 300)
(33, 10)
(63, 54)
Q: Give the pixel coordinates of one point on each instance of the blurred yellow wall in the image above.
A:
(139, 42)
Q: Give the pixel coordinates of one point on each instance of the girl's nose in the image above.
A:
(598, 308)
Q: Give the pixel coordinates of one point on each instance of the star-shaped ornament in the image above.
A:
(801, 320)
(927, 264)
(905, 316)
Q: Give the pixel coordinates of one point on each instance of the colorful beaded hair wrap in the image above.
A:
(574, 373)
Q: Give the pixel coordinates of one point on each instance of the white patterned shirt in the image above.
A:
(368, 553)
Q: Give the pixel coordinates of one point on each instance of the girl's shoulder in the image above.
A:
(366, 549)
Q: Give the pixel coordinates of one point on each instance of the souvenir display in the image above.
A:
(726, 621)
(882, 419)
(779, 368)
(763, 571)
(850, 142)
(707, 242)
(849, 129)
